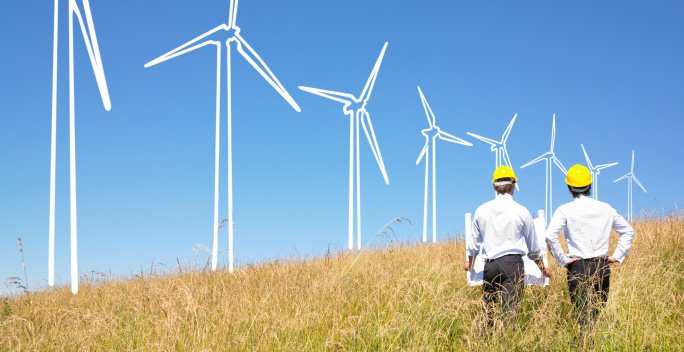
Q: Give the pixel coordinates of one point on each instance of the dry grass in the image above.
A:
(399, 297)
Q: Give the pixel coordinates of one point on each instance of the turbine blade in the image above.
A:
(504, 137)
(506, 158)
(553, 133)
(365, 95)
(93, 52)
(621, 178)
(560, 166)
(253, 58)
(492, 142)
(182, 49)
(449, 138)
(344, 98)
(632, 161)
(373, 142)
(638, 183)
(586, 157)
(538, 159)
(425, 149)
(233, 13)
(426, 107)
(601, 167)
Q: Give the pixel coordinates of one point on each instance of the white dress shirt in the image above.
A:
(502, 227)
(586, 223)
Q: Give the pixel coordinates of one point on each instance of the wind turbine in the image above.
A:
(499, 147)
(356, 109)
(595, 171)
(96, 62)
(226, 33)
(630, 176)
(431, 134)
(549, 157)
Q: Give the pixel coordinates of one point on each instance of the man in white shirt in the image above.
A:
(587, 224)
(503, 231)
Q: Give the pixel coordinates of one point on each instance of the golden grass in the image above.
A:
(398, 297)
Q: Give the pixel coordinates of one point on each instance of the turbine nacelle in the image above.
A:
(431, 132)
(231, 32)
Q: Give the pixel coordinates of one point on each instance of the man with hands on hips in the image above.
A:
(587, 224)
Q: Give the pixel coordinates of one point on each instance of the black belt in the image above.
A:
(503, 256)
(594, 259)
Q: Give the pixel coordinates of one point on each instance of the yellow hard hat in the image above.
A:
(578, 176)
(504, 171)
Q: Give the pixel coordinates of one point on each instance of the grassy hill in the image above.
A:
(398, 297)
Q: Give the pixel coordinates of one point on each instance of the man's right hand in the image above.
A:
(466, 265)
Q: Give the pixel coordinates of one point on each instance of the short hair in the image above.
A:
(576, 194)
(503, 189)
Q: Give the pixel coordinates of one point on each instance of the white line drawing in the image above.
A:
(595, 171)
(499, 147)
(548, 157)
(227, 33)
(96, 62)
(431, 134)
(533, 276)
(630, 176)
(356, 109)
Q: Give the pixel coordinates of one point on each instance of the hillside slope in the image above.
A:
(399, 297)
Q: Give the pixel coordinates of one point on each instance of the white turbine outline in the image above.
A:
(356, 114)
(630, 176)
(548, 157)
(434, 132)
(231, 33)
(499, 147)
(96, 62)
(595, 171)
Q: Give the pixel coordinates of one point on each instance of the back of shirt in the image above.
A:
(587, 224)
(502, 227)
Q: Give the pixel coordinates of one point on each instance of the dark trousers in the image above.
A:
(588, 283)
(503, 281)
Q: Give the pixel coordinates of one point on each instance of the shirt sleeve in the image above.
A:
(474, 243)
(530, 234)
(558, 222)
(626, 235)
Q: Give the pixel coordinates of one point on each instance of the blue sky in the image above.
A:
(611, 72)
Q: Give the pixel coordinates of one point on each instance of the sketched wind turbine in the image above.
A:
(630, 176)
(499, 147)
(548, 157)
(595, 171)
(356, 109)
(431, 134)
(226, 33)
(96, 62)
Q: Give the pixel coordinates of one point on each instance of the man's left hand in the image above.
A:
(611, 260)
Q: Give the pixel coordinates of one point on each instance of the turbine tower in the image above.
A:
(356, 109)
(595, 171)
(548, 157)
(225, 34)
(630, 176)
(499, 147)
(96, 62)
(431, 134)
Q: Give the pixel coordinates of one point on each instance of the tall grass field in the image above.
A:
(391, 297)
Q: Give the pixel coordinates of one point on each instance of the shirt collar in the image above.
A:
(505, 195)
